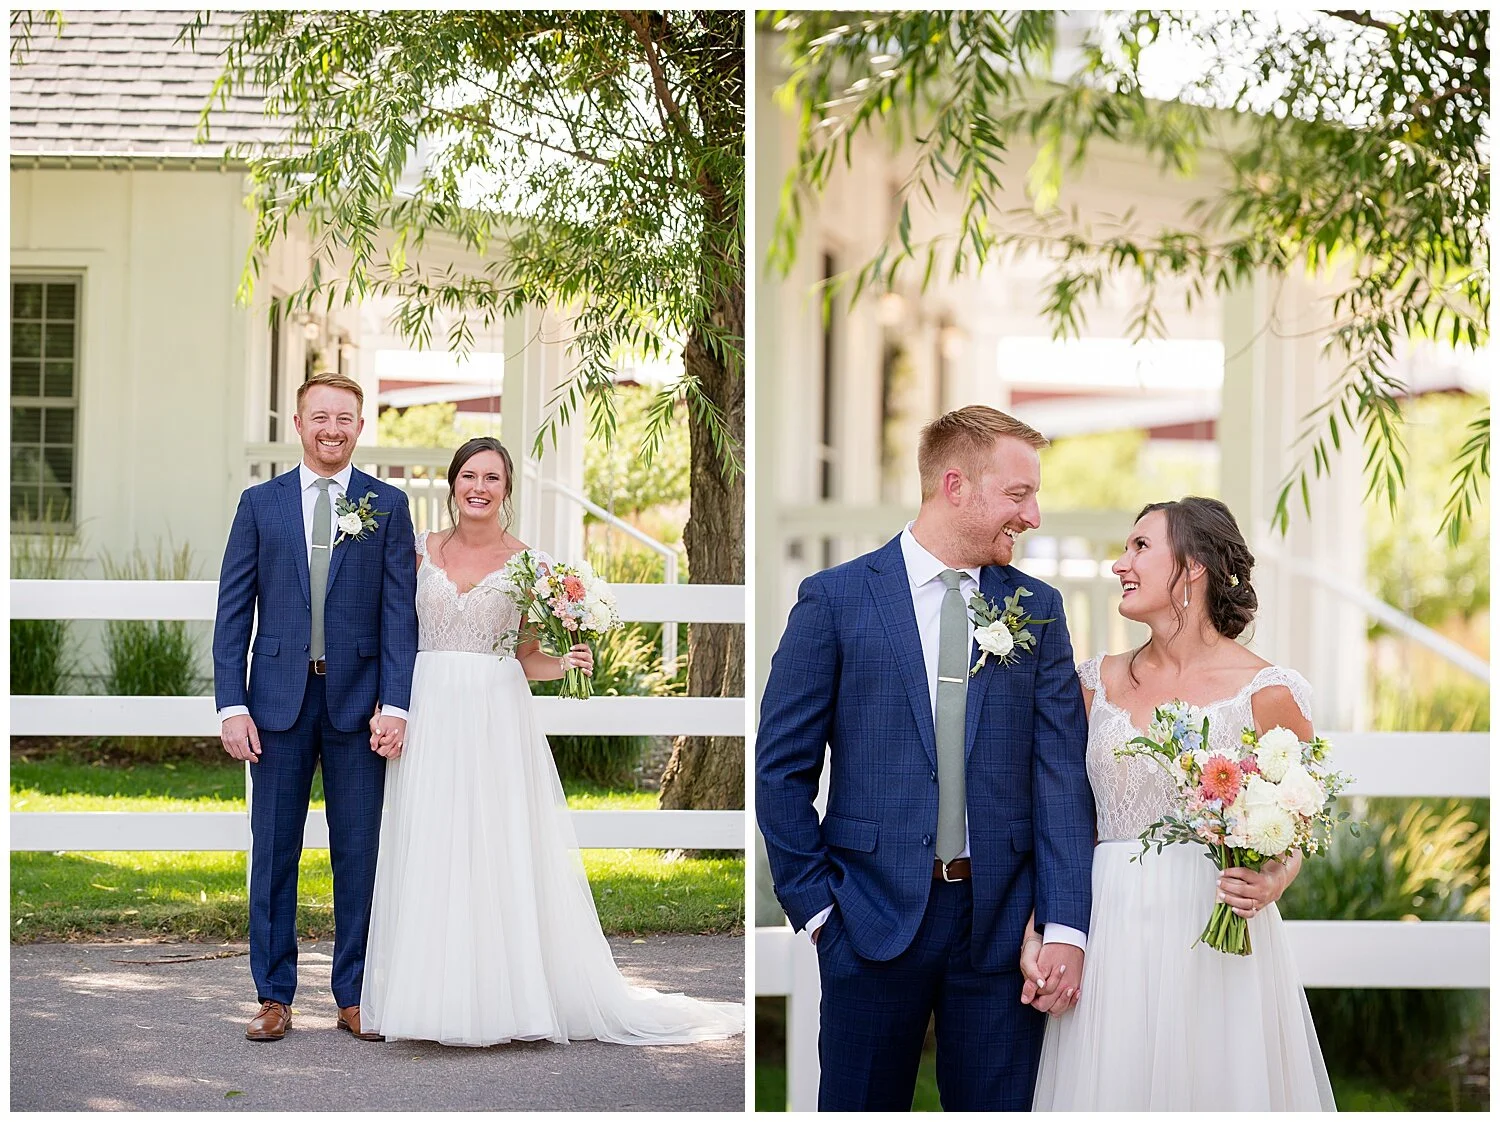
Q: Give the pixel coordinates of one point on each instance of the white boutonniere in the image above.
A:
(1001, 631)
(354, 520)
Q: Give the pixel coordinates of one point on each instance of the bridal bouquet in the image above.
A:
(564, 604)
(1257, 803)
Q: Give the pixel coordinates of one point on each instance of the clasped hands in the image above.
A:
(1053, 973)
(387, 735)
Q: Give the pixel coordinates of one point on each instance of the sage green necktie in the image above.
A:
(948, 719)
(317, 564)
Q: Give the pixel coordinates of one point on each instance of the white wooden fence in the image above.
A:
(1329, 954)
(196, 716)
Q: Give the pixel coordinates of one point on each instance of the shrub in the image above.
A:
(151, 657)
(39, 658)
(637, 565)
(1453, 705)
(1412, 860)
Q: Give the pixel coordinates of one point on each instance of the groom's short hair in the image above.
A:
(966, 437)
(336, 381)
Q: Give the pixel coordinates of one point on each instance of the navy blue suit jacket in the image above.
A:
(370, 613)
(849, 673)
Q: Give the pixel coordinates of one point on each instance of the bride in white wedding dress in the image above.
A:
(1161, 1024)
(483, 929)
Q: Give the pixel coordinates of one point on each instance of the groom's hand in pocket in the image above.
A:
(240, 737)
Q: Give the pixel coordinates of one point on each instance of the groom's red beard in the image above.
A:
(982, 546)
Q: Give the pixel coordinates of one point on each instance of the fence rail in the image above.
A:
(196, 716)
(1329, 955)
(198, 600)
(107, 831)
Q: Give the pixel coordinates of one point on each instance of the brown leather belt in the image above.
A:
(319, 666)
(958, 869)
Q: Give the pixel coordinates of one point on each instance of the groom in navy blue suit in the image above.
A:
(333, 608)
(905, 932)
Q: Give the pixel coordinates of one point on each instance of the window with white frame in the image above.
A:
(44, 337)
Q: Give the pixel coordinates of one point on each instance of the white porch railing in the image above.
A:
(196, 716)
(1329, 954)
(422, 474)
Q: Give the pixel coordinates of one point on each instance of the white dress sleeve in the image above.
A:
(1284, 676)
(1088, 673)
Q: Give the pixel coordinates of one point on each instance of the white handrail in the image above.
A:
(668, 554)
(1378, 609)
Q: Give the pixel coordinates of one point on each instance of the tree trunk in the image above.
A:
(708, 772)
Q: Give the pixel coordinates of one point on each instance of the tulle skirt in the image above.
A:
(1166, 1025)
(482, 928)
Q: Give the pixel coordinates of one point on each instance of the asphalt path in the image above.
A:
(161, 1026)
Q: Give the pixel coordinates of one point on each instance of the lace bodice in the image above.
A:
(482, 620)
(1132, 793)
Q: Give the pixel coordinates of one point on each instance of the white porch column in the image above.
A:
(537, 362)
(1271, 383)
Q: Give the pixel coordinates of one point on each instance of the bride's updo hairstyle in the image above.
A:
(1203, 530)
(467, 452)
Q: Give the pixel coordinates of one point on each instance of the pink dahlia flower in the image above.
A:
(1220, 779)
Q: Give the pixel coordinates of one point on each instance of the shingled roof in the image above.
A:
(117, 83)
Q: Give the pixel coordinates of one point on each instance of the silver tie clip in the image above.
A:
(943, 679)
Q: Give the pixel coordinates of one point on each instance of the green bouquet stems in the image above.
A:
(1226, 931)
(575, 683)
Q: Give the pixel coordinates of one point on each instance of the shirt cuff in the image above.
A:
(817, 921)
(392, 711)
(233, 711)
(1062, 933)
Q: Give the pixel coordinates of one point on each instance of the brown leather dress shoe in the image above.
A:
(349, 1022)
(270, 1023)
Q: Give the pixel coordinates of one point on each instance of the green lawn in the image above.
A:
(202, 895)
(64, 784)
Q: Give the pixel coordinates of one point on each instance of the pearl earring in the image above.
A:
(1185, 589)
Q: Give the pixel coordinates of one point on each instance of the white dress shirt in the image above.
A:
(923, 573)
(307, 479)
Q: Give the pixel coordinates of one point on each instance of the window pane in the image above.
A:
(57, 504)
(24, 504)
(26, 301)
(26, 340)
(25, 464)
(59, 340)
(59, 462)
(59, 426)
(26, 379)
(62, 301)
(59, 379)
(26, 426)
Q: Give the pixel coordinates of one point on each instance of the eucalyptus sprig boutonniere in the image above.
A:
(355, 520)
(1001, 631)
